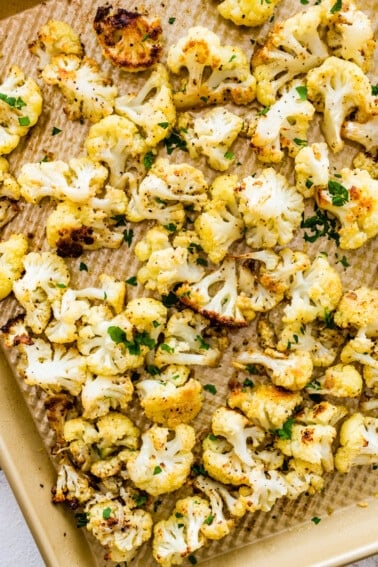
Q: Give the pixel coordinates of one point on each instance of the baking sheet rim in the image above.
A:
(341, 538)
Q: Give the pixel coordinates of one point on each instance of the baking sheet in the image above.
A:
(345, 534)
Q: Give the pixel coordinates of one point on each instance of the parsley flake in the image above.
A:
(171, 20)
(338, 192)
(203, 344)
(157, 470)
(81, 519)
(300, 142)
(83, 267)
(336, 7)
(148, 160)
(285, 431)
(24, 120)
(106, 513)
(128, 236)
(164, 125)
(210, 388)
(316, 520)
(229, 155)
(132, 281)
(374, 90)
(55, 131)
(174, 142)
(302, 92)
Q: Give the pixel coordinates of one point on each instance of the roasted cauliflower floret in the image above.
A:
(292, 371)
(87, 92)
(102, 393)
(116, 430)
(184, 344)
(20, 107)
(340, 381)
(266, 405)
(271, 209)
(165, 191)
(284, 125)
(44, 280)
(314, 293)
(365, 133)
(12, 253)
(219, 225)
(364, 351)
(337, 88)
(115, 141)
(52, 369)
(292, 48)
(211, 135)
(181, 534)
(311, 168)
(152, 108)
(120, 528)
(130, 40)
(79, 180)
(171, 396)
(359, 446)
(247, 13)
(352, 199)
(229, 75)
(72, 487)
(55, 38)
(358, 311)
(162, 465)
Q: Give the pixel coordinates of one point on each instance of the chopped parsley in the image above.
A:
(83, 267)
(167, 348)
(55, 131)
(320, 225)
(198, 470)
(210, 388)
(120, 220)
(336, 7)
(118, 335)
(81, 519)
(300, 142)
(132, 281)
(106, 513)
(316, 520)
(128, 236)
(232, 58)
(157, 470)
(302, 92)
(148, 160)
(202, 262)
(13, 101)
(344, 261)
(209, 520)
(171, 20)
(264, 111)
(229, 155)
(140, 500)
(171, 227)
(203, 344)
(192, 559)
(247, 383)
(251, 368)
(374, 90)
(328, 319)
(24, 120)
(285, 431)
(164, 125)
(304, 2)
(174, 142)
(338, 192)
(153, 370)
(169, 300)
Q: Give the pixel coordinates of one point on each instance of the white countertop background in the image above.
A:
(18, 549)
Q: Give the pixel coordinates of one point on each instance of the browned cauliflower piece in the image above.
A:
(130, 40)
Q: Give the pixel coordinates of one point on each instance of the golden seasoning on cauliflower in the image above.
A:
(102, 393)
(71, 487)
(338, 88)
(352, 200)
(359, 446)
(170, 396)
(151, 108)
(365, 133)
(266, 405)
(88, 93)
(363, 350)
(247, 12)
(340, 381)
(130, 40)
(201, 51)
(291, 371)
(162, 464)
(271, 209)
(20, 107)
(182, 533)
(311, 168)
(116, 431)
(211, 135)
(55, 38)
(284, 125)
(291, 48)
(119, 527)
(219, 225)
(358, 310)
(12, 253)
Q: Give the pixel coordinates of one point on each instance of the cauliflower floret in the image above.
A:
(358, 310)
(200, 51)
(266, 405)
(220, 223)
(147, 314)
(340, 381)
(44, 280)
(359, 445)
(115, 141)
(166, 264)
(211, 135)
(215, 295)
(310, 443)
(87, 92)
(110, 344)
(67, 311)
(284, 125)
(292, 47)
(352, 199)
(80, 437)
(70, 228)
(130, 40)
(265, 488)
(182, 533)
(365, 133)
(363, 350)
(152, 108)
(111, 466)
(162, 464)
(292, 371)
(71, 486)
(337, 88)
(311, 168)
(314, 292)
(12, 254)
(118, 527)
(350, 34)
(102, 393)
(365, 161)
(55, 38)
(52, 369)
(20, 107)
(184, 344)
(9, 194)
(116, 430)
(172, 397)
(221, 462)
(175, 185)
(79, 180)
(246, 12)
(323, 413)
(270, 207)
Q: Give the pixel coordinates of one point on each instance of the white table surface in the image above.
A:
(18, 549)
